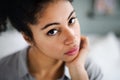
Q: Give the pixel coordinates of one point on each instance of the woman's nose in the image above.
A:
(70, 37)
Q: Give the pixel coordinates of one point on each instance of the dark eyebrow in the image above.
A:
(71, 14)
(50, 24)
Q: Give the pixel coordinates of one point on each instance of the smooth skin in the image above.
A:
(56, 33)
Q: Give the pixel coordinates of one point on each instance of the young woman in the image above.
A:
(56, 50)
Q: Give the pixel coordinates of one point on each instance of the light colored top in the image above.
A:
(14, 67)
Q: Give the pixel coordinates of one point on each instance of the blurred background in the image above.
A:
(98, 16)
(100, 21)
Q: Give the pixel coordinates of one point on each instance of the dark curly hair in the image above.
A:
(21, 13)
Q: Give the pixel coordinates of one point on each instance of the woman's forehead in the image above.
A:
(57, 10)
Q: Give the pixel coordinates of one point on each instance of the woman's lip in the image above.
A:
(72, 51)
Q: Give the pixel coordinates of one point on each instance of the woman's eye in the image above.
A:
(52, 32)
(72, 20)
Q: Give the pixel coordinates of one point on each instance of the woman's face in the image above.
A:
(57, 35)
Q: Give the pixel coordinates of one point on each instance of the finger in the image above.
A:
(83, 49)
(84, 42)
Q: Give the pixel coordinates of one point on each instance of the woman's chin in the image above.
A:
(70, 58)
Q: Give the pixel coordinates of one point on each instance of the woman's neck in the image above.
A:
(41, 65)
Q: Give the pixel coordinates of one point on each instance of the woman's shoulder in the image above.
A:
(8, 60)
(94, 71)
(12, 58)
(9, 64)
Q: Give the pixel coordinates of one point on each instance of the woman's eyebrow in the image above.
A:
(56, 23)
(71, 14)
(50, 24)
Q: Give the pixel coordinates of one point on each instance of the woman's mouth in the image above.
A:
(73, 51)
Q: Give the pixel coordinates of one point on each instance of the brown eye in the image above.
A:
(72, 20)
(52, 32)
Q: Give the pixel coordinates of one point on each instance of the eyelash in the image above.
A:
(55, 31)
(73, 18)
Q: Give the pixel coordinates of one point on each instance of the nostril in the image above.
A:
(70, 41)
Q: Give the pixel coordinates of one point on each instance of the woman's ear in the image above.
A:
(27, 38)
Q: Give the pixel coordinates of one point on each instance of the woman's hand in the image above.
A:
(76, 67)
